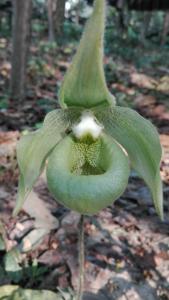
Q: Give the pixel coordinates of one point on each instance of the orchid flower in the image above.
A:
(90, 143)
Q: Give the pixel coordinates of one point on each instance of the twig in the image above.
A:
(81, 259)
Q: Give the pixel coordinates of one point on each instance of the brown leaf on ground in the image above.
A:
(144, 100)
(51, 258)
(143, 81)
(36, 208)
(70, 221)
(8, 142)
(63, 64)
(96, 278)
(72, 262)
(161, 257)
(5, 69)
(163, 85)
(33, 239)
(158, 112)
(164, 139)
(123, 89)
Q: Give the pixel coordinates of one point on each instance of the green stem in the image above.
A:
(81, 258)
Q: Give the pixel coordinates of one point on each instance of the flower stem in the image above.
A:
(81, 258)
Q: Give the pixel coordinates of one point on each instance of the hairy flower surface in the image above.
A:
(87, 126)
(90, 143)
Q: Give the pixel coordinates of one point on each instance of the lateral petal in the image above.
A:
(140, 139)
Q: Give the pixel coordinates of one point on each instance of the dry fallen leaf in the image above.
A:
(33, 239)
(143, 81)
(144, 100)
(8, 142)
(36, 208)
(123, 89)
(163, 85)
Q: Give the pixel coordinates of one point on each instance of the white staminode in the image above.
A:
(86, 126)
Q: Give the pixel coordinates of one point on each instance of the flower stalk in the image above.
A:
(81, 259)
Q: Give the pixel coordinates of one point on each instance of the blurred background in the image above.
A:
(38, 39)
(127, 246)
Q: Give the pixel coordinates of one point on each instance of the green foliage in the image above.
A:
(4, 101)
(5, 29)
(16, 271)
(34, 271)
(36, 65)
(47, 104)
(12, 265)
(72, 31)
(38, 27)
(46, 47)
(2, 244)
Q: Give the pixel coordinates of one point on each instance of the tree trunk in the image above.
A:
(56, 13)
(145, 26)
(59, 17)
(124, 17)
(51, 30)
(165, 28)
(21, 41)
(78, 8)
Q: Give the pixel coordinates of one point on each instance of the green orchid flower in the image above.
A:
(90, 144)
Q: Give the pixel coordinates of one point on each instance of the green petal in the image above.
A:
(84, 84)
(33, 148)
(140, 139)
(92, 190)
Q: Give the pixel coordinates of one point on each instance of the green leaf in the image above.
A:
(12, 265)
(140, 139)
(33, 149)
(2, 237)
(92, 190)
(2, 244)
(84, 84)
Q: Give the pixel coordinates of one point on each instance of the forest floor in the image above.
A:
(126, 245)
